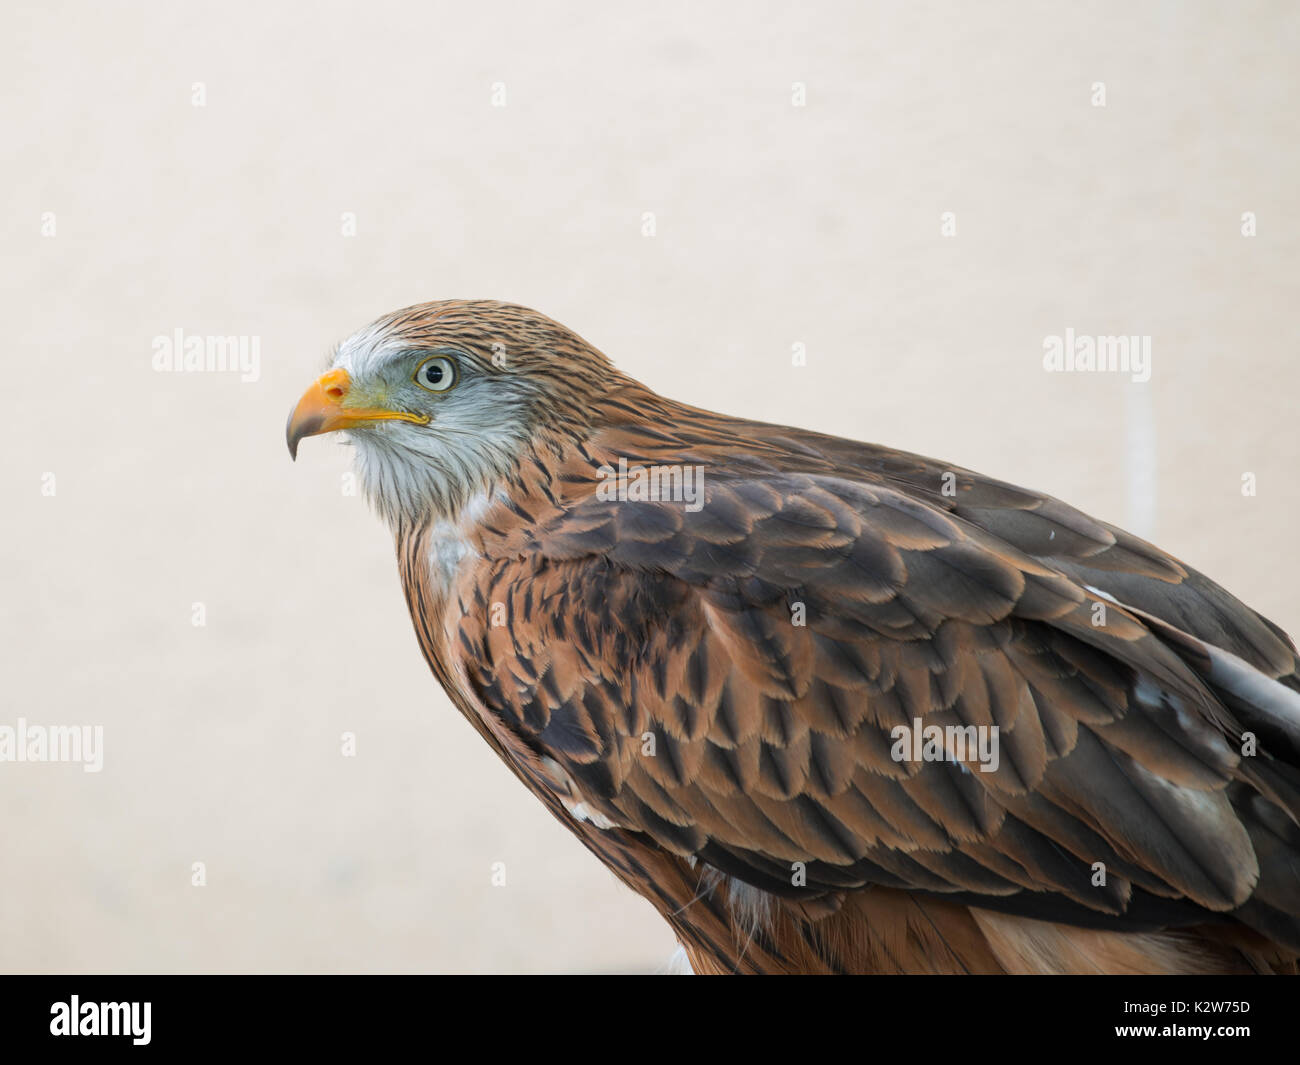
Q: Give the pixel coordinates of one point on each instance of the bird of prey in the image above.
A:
(828, 706)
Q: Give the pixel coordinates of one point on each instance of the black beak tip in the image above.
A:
(291, 438)
(308, 426)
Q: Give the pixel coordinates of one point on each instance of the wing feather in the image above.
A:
(726, 683)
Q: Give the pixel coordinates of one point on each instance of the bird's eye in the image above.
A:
(437, 375)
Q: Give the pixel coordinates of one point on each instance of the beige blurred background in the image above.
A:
(774, 225)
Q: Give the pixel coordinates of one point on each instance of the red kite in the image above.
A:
(829, 707)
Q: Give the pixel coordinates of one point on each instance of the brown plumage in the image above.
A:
(707, 695)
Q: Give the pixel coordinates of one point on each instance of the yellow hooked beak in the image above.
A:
(323, 409)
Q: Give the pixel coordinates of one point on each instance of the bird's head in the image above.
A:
(444, 399)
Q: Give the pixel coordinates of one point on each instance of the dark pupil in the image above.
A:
(433, 374)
